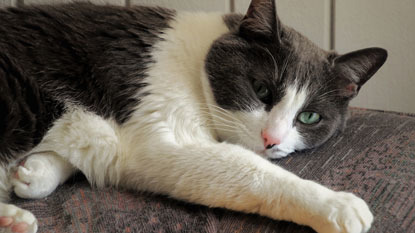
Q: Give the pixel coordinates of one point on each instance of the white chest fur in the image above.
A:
(176, 102)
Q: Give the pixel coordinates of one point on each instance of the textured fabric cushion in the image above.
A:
(374, 158)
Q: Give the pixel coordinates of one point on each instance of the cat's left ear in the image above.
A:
(356, 68)
(261, 21)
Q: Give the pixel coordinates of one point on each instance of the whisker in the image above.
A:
(223, 111)
(234, 125)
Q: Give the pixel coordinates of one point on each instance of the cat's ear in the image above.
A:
(261, 21)
(356, 68)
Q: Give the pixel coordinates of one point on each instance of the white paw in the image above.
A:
(16, 220)
(346, 213)
(36, 177)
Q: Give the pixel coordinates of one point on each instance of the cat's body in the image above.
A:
(184, 104)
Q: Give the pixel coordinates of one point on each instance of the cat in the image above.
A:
(190, 105)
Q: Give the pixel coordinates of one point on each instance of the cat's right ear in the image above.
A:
(261, 21)
(356, 68)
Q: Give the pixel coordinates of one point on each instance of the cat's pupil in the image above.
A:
(262, 91)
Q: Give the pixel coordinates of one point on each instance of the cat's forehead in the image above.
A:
(235, 64)
(294, 58)
(300, 53)
(300, 64)
(293, 52)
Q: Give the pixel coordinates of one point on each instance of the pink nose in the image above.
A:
(270, 141)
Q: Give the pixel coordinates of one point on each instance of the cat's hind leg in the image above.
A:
(88, 142)
(40, 174)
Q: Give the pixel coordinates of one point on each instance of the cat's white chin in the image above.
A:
(277, 154)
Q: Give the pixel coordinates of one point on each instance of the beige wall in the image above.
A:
(192, 5)
(7, 3)
(356, 24)
(391, 25)
(114, 2)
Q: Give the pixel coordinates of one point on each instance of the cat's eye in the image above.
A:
(309, 118)
(262, 91)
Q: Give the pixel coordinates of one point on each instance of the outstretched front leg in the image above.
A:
(223, 175)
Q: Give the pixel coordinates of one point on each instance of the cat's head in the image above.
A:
(275, 92)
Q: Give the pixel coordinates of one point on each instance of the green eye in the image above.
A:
(261, 91)
(309, 118)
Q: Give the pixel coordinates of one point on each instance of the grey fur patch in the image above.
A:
(82, 54)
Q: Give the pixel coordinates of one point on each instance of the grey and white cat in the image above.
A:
(190, 105)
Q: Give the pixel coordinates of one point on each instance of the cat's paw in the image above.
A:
(16, 220)
(35, 178)
(346, 213)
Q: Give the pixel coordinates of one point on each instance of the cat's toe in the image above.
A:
(16, 220)
(347, 214)
(5, 221)
(358, 217)
(20, 227)
(35, 178)
(7, 224)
